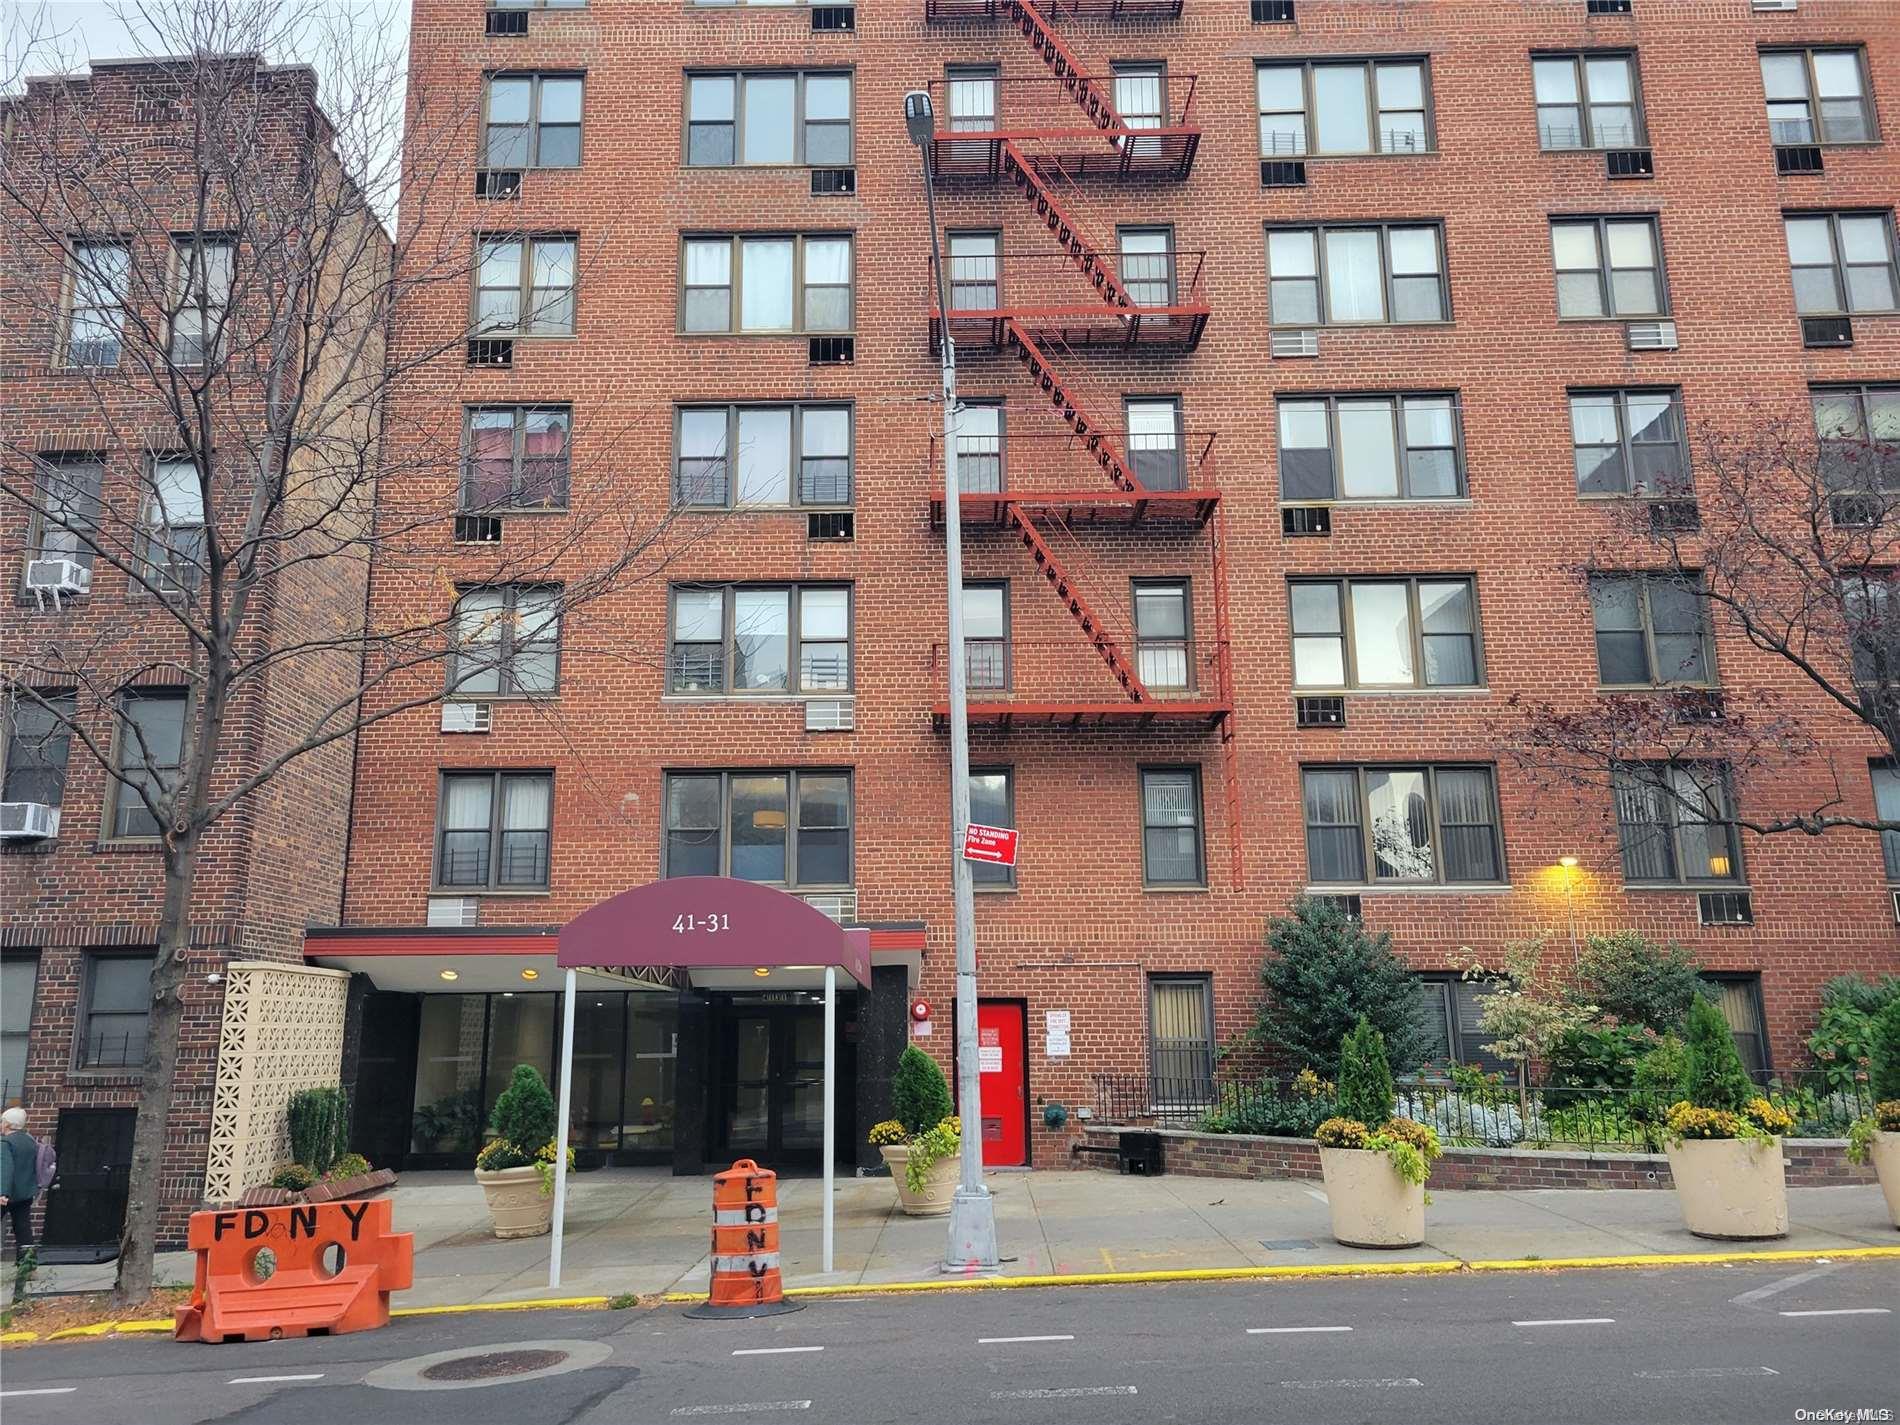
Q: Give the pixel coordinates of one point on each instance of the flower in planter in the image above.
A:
(293, 1177)
(887, 1134)
(1341, 1133)
(929, 1148)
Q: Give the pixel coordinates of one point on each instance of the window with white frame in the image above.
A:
(1343, 107)
(66, 519)
(173, 533)
(533, 121)
(788, 828)
(778, 283)
(1608, 267)
(1587, 100)
(1629, 442)
(1356, 275)
(1817, 96)
(744, 638)
(98, 275)
(507, 642)
(980, 447)
(1385, 633)
(1841, 262)
(1370, 447)
(1673, 823)
(776, 118)
(1427, 825)
(986, 652)
(1154, 441)
(762, 457)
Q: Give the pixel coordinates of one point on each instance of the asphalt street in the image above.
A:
(1728, 1345)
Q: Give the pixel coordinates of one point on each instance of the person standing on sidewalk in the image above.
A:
(19, 1183)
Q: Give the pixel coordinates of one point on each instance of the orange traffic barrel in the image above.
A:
(745, 1273)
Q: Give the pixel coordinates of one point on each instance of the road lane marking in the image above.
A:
(1013, 1340)
(43, 1390)
(1392, 1383)
(1067, 1392)
(1291, 1330)
(777, 1350)
(1844, 1311)
(1706, 1373)
(1570, 1321)
(1748, 1298)
(741, 1409)
(270, 1380)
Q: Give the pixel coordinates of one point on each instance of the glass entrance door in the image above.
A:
(774, 1103)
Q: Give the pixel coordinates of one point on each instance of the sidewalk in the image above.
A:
(644, 1231)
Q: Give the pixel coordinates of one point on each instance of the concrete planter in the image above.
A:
(939, 1187)
(1372, 1205)
(516, 1203)
(1886, 1156)
(1733, 1189)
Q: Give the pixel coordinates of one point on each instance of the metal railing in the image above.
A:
(1024, 463)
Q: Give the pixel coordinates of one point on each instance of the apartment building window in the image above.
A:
(38, 742)
(1451, 1009)
(1172, 852)
(173, 534)
(151, 738)
(1404, 447)
(1146, 265)
(1608, 267)
(1587, 101)
(789, 828)
(517, 458)
(508, 642)
(1652, 631)
(1672, 821)
(980, 447)
(1841, 262)
(784, 284)
(1180, 1039)
(19, 978)
(787, 455)
(525, 285)
(743, 638)
(533, 121)
(97, 277)
(768, 119)
(1800, 82)
(986, 660)
(201, 286)
(1339, 276)
(1859, 432)
(1886, 778)
(1355, 106)
(975, 271)
(538, 4)
(115, 1011)
(1428, 825)
(494, 830)
(1385, 633)
(1154, 441)
(1873, 634)
(67, 516)
(1164, 634)
(992, 803)
(1739, 999)
(1628, 442)
(1141, 101)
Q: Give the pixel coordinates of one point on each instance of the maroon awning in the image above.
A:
(711, 922)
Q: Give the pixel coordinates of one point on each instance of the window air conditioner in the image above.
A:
(454, 910)
(1725, 908)
(1303, 341)
(841, 906)
(468, 717)
(28, 821)
(831, 715)
(1651, 336)
(55, 578)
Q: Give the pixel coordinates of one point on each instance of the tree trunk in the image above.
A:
(139, 1238)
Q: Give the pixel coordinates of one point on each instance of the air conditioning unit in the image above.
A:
(831, 715)
(454, 910)
(1674, 517)
(468, 717)
(841, 906)
(833, 17)
(833, 350)
(1282, 173)
(1797, 158)
(478, 529)
(834, 182)
(507, 22)
(1769, 7)
(1350, 906)
(1630, 163)
(1319, 712)
(830, 525)
(1827, 331)
(497, 183)
(1725, 908)
(1651, 336)
(1273, 12)
(1306, 521)
(1302, 341)
(1855, 511)
(28, 821)
(56, 578)
(491, 351)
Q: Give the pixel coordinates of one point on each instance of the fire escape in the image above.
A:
(1056, 142)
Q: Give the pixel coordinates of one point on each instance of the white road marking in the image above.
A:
(44, 1390)
(1064, 1393)
(270, 1380)
(742, 1409)
(1759, 1293)
(1706, 1373)
(1845, 1311)
(1392, 1384)
(1571, 1321)
(1291, 1330)
(1013, 1340)
(777, 1350)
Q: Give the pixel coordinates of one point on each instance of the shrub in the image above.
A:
(1638, 982)
(1842, 1042)
(1365, 1075)
(498, 1154)
(1714, 1076)
(1322, 974)
(927, 1149)
(349, 1165)
(1602, 1059)
(524, 1114)
(293, 1177)
(1464, 1120)
(319, 1126)
(1884, 1053)
(1656, 1081)
(1292, 1115)
(920, 1095)
(1757, 1119)
(1341, 1133)
(1411, 1147)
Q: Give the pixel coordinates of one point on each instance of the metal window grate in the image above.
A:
(1606, 7)
(1282, 173)
(1827, 331)
(1630, 163)
(1273, 12)
(1674, 517)
(1319, 712)
(1854, 511)
(833, 350)
(1304, 521)
(834, 182)
(1352, 907)
(1798, 158)
(830, 524)
(507, 22)
(833, 17)
(477, 529)
(498, 183)
(1725, 908)
(491, 351)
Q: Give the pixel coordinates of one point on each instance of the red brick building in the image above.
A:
(103, 522)
(1225, 276)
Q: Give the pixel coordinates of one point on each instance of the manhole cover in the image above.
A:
(492, 1364)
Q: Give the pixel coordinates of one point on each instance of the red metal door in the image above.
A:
(1001, 1035)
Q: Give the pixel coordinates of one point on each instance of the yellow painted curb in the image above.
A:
(17, 1336)
(538, 1304)
(124, 1328)
(1688, 1259)
(98, 1328)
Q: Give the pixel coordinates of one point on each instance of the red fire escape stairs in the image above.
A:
(1089, 257)
(1063, 584)
(1091, 96)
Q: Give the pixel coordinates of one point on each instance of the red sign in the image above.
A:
(920, 1009)
(995, 844)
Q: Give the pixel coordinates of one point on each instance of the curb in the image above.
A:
(1447, 1267)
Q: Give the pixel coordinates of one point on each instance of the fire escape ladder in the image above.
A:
(1090, 257)
(1063, 583)
(1095, 437)
(1224, 682)
(1091, 97)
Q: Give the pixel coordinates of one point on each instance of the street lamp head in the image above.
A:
(918, 119)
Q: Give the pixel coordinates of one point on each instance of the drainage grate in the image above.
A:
(493, 1364)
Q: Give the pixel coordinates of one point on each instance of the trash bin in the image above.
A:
(1141, 1153)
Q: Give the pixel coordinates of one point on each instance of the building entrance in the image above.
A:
(769, 1061)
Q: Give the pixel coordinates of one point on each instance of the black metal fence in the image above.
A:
(1466, 1112)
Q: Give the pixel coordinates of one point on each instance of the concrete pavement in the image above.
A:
(644, 1231)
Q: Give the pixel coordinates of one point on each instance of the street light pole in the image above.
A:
(972, 1245)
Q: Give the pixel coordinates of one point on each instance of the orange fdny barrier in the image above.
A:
(319, 1268)
(745, 1276)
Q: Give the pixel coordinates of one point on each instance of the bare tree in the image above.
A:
(202, 258)
(1785, 531)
